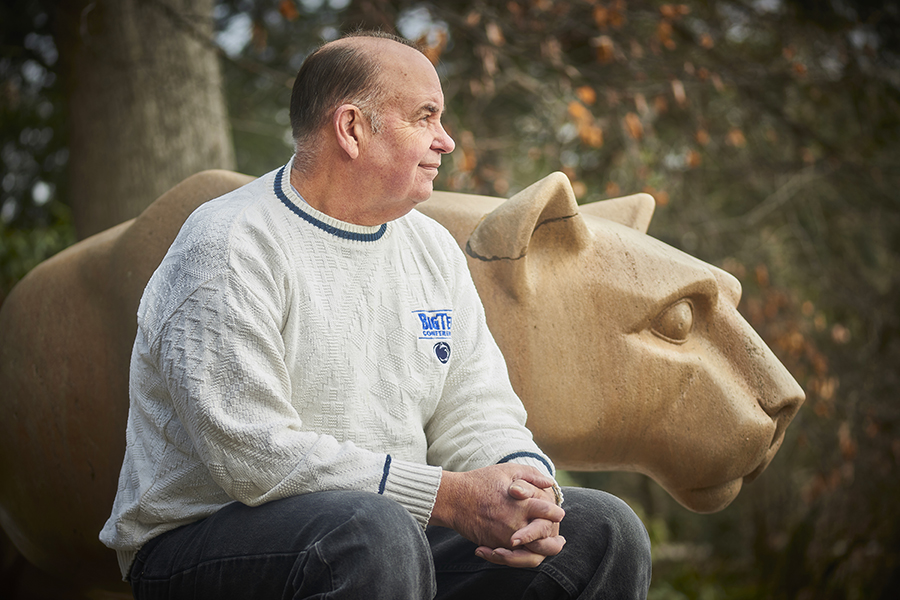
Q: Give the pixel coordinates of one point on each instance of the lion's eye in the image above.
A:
(674, 324)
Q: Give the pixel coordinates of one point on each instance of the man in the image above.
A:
(317, 407)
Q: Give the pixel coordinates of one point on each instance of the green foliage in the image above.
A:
(23, 249)
(34, 224)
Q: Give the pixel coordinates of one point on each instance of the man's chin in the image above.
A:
(422, 194)
(401, 210)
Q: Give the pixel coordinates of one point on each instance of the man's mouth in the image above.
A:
(430, 169)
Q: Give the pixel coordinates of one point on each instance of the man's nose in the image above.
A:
(443, 143)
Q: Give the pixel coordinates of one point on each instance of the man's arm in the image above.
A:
(507, 509)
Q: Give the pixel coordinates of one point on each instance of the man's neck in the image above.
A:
(328, 192)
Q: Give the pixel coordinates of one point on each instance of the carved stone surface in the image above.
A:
(628, 354)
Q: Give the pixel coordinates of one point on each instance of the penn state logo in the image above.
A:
(442, 351)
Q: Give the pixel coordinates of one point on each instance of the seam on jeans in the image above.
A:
(559, 578)
(330, 571)
(387, 469)
(220, 559)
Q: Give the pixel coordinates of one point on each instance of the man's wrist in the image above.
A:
(445, 500)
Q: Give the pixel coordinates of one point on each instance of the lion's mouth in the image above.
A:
(749, 477)
(782, 419)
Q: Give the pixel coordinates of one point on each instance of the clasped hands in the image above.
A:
(509, 510)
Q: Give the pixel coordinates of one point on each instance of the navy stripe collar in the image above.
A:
(326, 227)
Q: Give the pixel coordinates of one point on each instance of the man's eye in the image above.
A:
(675, 323)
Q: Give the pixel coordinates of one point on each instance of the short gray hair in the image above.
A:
(333, 75)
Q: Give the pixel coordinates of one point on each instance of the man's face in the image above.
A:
(402, 159)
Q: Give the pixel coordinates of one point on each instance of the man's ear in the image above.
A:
(348, 124)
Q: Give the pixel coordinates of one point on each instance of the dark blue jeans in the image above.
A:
(363, 546)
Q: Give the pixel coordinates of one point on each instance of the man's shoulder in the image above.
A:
(219, 250)
(228, 206)
(216, 224)
(232, 226)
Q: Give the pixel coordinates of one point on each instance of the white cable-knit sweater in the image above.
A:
(280, 352)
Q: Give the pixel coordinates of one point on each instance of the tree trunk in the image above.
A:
(145, 103)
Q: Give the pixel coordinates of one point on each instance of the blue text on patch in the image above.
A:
(435, 323)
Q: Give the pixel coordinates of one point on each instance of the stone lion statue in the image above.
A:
(628, 355)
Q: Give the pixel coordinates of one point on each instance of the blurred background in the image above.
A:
(768, 131)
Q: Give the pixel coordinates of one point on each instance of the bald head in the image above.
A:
(345, 71)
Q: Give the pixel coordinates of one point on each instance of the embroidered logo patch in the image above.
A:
(435, 323)
(442, 351)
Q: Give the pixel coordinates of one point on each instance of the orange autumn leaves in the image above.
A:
(589, 131)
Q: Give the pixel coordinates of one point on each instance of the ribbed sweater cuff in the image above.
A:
(126, 557)
(531, 461)
(414, 486)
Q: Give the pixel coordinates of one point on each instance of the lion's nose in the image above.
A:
(775, 389)
(777, 392)
(780, 394)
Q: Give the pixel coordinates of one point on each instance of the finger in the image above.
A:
(523, 490)
(537, 529)
(520, 557)
(548, 546)
(536, 478)
(537, 508)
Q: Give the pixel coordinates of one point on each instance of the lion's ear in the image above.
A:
(504, 235)
(633, 211)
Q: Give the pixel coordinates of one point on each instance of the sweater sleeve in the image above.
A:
(480, 420)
